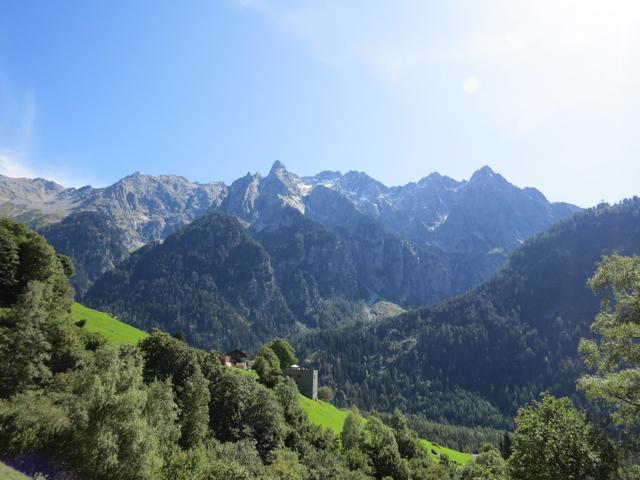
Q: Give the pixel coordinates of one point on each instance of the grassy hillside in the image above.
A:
(326, 415)
(8, 473)
(436, 450)
(113, 330)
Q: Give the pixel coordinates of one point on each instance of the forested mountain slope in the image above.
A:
(93, 240)
(486, 352)
(225, 289)
(210, 280)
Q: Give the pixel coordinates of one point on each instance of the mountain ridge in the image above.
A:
(467, 227)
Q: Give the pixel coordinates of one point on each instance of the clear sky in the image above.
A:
(546, 92)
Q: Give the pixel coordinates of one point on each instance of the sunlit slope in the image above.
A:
(8, 473)
(113, 330)
(326, 415)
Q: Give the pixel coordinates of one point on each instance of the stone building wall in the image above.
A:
(306, 379)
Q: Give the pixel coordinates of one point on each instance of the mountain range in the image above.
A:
(412, 244)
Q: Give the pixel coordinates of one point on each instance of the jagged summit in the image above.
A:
(469, 218)
(277, 167)
(410, 244)
(484, 173)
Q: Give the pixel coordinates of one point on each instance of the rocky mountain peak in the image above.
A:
(278, 168)
(468, 218)
(485, 173)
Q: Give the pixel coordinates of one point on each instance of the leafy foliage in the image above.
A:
(35, 342)
(111, 437)
(488, 465)
(615, 354)
(325, 393)
(554, 440)
(267, 365)
(284, 351)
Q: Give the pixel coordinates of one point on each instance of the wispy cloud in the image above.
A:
(18, 117)
(11, 167)
(18, 114)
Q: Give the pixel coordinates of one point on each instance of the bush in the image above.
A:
(30, 422)
(325, 394)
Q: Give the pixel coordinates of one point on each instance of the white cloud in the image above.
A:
(13, 166)
(18, 115)
(471, 85)
(10, 167)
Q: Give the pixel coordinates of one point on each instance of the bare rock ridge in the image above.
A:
(410, 244)
(146, 207)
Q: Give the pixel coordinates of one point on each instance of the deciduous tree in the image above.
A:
(614, 356)
(555, 441)
(267, 365)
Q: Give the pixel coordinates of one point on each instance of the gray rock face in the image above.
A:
(463, 231)
(145, 207)
(150, 208)
(481, 214)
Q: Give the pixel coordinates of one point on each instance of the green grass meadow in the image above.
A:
(328, 416)
(113, 330)
(324, 414)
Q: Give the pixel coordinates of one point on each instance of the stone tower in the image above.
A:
(306, 379)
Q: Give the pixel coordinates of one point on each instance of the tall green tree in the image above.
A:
(169, 358)
(505, 445)
(267, 365)
(231, 398)
(25, 350)
(555, 441)
(161, 413)
(194, 410)
(34, 299)
(112, 438)
(9, 262)
(267, 422)
(284, 351)
(299, 430)
(382, 448)
(353, 435)
(614, 356)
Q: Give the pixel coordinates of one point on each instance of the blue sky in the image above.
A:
(545, 92)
